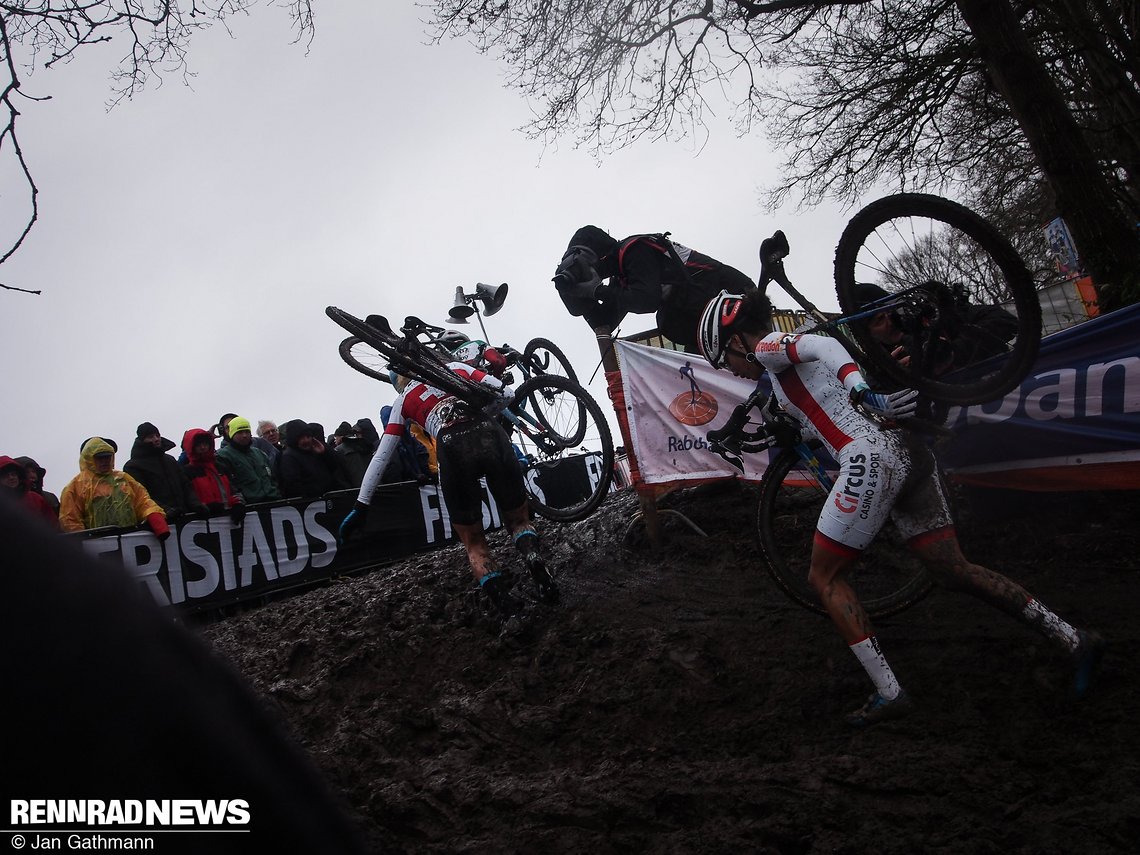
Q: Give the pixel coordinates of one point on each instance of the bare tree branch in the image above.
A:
(859, 92)
(36, 34)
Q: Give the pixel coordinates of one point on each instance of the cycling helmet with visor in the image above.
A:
(479, 355)
(714, 330)
(469, 352)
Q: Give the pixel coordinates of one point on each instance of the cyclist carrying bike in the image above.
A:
(469, 444)
(885, 472)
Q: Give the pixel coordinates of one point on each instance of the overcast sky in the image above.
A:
(189, 240)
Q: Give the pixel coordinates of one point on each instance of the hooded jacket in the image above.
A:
(163, 478)
(93, 500)
(211, 485)
(30, 499)
(304, 473)
(51, 498)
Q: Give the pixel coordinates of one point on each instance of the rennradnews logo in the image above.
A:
(136, 812)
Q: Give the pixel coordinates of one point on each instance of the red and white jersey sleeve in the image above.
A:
(813, 376)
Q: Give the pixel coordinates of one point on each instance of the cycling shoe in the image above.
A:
(879, 709)
(1090, 649)
(547, 590)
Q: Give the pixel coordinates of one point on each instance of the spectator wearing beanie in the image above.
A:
(164, 479)
(250, 470)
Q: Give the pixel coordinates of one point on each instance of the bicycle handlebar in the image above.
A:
(732, 441)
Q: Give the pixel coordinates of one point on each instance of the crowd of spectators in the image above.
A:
(218, 470)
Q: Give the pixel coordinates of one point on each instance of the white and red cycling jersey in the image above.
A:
(430, 408)
(812, 376)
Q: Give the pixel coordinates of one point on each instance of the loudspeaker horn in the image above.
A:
(492, 297)
(459, 310)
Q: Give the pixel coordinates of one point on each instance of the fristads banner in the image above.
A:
(1072, 424)
(209, 562)
(673, 400)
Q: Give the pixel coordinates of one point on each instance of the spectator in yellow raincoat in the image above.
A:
(100, 495)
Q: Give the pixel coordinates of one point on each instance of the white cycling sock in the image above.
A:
(875, 664)
(1050, 624)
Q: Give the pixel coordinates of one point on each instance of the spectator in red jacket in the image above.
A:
(35, 474)
(210, 484)
(13, 481)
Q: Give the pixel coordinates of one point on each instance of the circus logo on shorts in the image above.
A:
(847, 500)
(693, 407)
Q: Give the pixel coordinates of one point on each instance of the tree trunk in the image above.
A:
(1108, 244)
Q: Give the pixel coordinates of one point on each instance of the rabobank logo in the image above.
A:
(693, 407)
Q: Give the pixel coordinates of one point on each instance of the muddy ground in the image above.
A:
(680, 703)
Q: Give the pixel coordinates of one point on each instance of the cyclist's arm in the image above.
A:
(504, 396)
(476, 375)
(778, 351)
(389, 440)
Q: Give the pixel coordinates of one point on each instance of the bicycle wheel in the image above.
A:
(887, 577)
(545, 357)
(412, 358)
(366, 359)
(569, 449)
(967, 310)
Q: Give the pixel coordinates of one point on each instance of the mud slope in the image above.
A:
(679, 703)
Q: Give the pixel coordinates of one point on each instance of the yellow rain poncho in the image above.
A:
(93, 500)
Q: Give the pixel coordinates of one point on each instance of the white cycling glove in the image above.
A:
(892, 405)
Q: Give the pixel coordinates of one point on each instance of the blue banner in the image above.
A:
(1072, 424)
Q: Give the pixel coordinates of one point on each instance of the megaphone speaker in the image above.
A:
(459, 310)
(492, 296)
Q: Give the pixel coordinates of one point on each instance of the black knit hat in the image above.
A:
(344, 429)
(146, 429)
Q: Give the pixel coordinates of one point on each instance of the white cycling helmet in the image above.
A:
(451, 339)
(713, 331)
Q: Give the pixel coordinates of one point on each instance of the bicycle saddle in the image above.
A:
(415, 325)
(379, 322)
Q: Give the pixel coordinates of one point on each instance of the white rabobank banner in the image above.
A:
(673, 400)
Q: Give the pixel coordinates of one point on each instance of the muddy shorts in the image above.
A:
(885, 475)
(467, 451)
